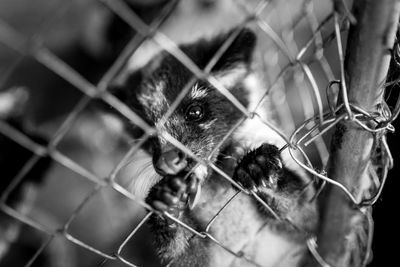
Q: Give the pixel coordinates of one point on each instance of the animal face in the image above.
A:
(204, 116)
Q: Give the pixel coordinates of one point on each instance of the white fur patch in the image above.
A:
(154, 99)
(231, 77)
(207, 125)
(201, 172)
(160, 86)
(256, 92)
(139, 175)
(198, 92)
(253, 132)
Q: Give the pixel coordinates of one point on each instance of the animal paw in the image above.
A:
(259, 168)
(172, 193)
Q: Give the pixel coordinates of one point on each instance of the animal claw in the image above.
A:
(194, 198)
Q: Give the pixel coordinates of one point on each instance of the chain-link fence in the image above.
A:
(314, 85)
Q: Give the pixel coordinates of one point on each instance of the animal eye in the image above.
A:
(194, 112)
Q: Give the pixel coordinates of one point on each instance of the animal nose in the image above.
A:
(171, 161)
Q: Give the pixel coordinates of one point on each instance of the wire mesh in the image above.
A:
(325, 32)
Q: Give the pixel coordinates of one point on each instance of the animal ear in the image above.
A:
(239, 52)
(234, 64)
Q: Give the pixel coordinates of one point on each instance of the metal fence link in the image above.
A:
(305, 59)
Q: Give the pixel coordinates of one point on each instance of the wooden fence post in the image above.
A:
(341, 236)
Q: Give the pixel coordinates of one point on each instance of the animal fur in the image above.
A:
(243, 226)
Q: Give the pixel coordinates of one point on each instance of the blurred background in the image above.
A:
(42, 42)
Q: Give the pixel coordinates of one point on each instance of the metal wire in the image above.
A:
(305, 134)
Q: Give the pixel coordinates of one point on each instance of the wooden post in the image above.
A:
(341, 236)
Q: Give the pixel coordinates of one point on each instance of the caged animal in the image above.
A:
(195, 193)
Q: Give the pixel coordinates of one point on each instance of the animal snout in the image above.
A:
(171, 161)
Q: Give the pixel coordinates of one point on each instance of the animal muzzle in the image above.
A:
(170, 161)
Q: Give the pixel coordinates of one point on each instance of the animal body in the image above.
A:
(202, 122)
